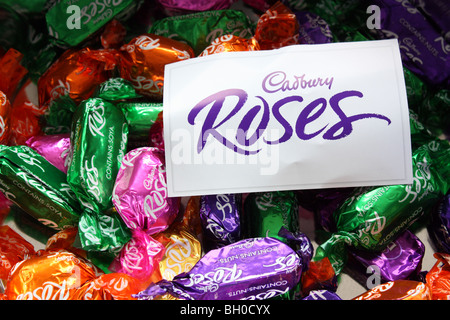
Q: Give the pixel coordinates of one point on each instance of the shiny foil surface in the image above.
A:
(140, 192)
(142, 62)
(255, 268)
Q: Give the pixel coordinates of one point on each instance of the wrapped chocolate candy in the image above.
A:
(220, 216)
(13, 249)
(140, 192)
(116, 89)
(439, 226)
(313, 29)
(62, 275)
(36, 186)
(322, 295)
(5, 110)
(372, 217)
(140, 198)
(266, 212)
(253, 268)
(230, 43)
(438, 278)
(98, 144)
(421, 53)
(199, 29)
(175, 8)
(319, 276)
(143, 59)
(401, 260)
(25, 115)
(277, 27)
(140, 116)
(75, 74)
(398, 290)
(181, 241)
(54, 148)
(70, 27)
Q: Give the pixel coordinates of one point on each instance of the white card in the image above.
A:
(299, 117)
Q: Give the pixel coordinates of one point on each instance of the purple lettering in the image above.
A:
(306, 117)
(346, 122)
(277, 81)
(248, 123)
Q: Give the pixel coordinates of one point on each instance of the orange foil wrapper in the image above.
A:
(438, 278)
(277, 27)
(398, 290)
(62, 275)
(76, 73)
(5, 115)
(143, 59)
(13, 249)
(230, 43)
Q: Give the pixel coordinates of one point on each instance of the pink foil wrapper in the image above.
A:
(139, 257)
(54, 148)
(140, 192)
(176, 7)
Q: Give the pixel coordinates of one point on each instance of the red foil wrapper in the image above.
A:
(5, 115)
(76, 73)
(11, 72)
(277, 27)
(438, 278)
(143, 59)
(25, 115)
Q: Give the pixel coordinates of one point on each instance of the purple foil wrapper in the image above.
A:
(421, 50)
(140, 191)
(323, 203)
(220, 218)
(322, 295)
(313, 29)
(250, 269)
(439, 227)
(401, 260)
(54, 148)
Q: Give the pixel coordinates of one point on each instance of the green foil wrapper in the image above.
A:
(266, 212)
(372, 217)
(98, 143)
(105, 232)
(140, 117)
(70, 23)
(115, 89)
(37, 187)
(199, 29)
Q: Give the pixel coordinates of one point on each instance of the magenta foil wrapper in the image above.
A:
(220, 218)
(54, 148)
(250, 269)
(177, 7)
(401, 260)
(140, 191)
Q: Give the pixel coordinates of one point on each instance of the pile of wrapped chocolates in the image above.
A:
(82, 162)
